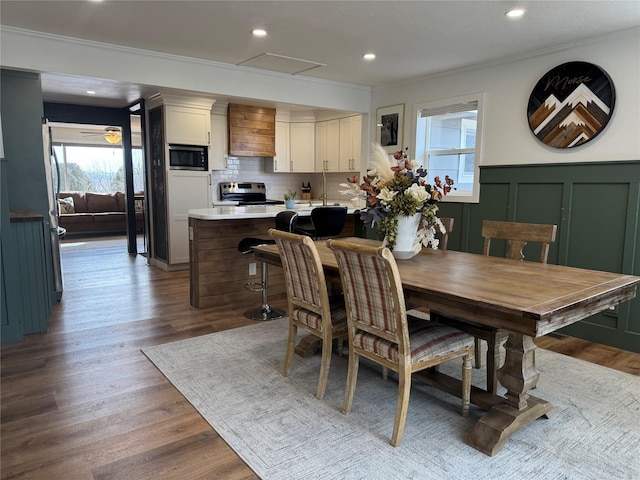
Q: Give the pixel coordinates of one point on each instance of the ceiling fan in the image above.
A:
(113, 135)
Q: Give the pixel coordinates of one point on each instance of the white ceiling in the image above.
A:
(410, 38)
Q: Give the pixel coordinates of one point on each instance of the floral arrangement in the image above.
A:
(398, 187)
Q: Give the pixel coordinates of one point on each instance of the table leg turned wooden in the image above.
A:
(517, 375)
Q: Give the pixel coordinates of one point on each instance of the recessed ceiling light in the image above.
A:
(369, 56)
(515, 13)
(91, 92)
(259, 32)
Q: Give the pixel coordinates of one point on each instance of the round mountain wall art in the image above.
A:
(571, 104)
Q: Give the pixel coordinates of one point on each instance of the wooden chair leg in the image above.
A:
(352, 376)
(324, 366)
(385, 373)
(404, 389)
(291, 345)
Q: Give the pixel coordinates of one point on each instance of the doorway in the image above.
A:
(92, 185)
(96, 126)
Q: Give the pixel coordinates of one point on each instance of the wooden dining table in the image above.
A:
(527, 299)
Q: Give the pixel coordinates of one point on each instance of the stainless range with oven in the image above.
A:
(246, 193)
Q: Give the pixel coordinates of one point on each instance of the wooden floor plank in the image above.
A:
(83, 402)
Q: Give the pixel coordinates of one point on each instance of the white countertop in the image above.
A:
(254, 211)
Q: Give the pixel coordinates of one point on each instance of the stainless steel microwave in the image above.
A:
(188, 157)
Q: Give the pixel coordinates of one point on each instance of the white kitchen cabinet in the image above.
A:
(328, 146)
(303, 147)
(185, 190)
(188, 125)
(282, 161)
(350, 144)
(218, 150)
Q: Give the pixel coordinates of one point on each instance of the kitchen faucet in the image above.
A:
(324, 189)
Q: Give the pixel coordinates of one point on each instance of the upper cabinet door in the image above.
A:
(350, 143)
(303, 153)
(328, 146)
(218, 150)
(282, 159)
(187, 125)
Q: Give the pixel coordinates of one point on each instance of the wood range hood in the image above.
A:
(251, 131)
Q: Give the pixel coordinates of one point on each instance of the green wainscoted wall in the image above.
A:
(595, 206)
(26, 264)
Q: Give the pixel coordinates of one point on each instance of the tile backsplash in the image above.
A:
(251, 169)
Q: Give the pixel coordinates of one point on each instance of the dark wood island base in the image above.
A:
(219, 272)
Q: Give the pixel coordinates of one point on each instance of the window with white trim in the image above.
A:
(448, 141)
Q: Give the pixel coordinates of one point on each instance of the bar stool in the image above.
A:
(324, 222)
(285, 221)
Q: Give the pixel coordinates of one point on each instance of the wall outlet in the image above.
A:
(252, 269)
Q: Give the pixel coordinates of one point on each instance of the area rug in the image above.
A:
(279, 428)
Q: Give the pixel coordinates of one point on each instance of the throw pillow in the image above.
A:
(66, 205)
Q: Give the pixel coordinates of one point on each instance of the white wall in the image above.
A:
(507, 137)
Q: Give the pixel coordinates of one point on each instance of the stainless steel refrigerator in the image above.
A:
(52, 170)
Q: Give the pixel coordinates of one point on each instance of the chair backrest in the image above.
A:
(328, 221)
(517, 236)
(303, 273)
(286, 221)
(447, 222)
(372, 291)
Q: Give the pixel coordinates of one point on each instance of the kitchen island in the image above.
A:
(218, 271)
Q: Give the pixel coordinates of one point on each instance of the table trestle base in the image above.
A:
(494, 428)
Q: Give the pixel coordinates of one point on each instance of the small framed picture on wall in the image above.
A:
(389, 127)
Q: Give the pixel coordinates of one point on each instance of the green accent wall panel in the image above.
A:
(539, 203)
(598, 222)
(495, 204)
(459, 212)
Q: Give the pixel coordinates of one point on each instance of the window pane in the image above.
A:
(443, 165)
(138, 170)
(452, 130)
(91, 169)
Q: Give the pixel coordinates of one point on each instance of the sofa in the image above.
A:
(90, 213)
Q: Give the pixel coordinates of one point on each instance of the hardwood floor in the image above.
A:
(82, 401)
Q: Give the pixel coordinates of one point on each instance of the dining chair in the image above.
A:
(379, 331)
(447, 223)
(309, 305)
(324, 222)
(517, 236)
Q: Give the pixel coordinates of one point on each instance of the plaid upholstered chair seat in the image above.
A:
(314, 320)
(427, 342)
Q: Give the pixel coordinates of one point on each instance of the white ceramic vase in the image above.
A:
(407, 245)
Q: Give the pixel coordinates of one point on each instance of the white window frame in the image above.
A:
(420, 148)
